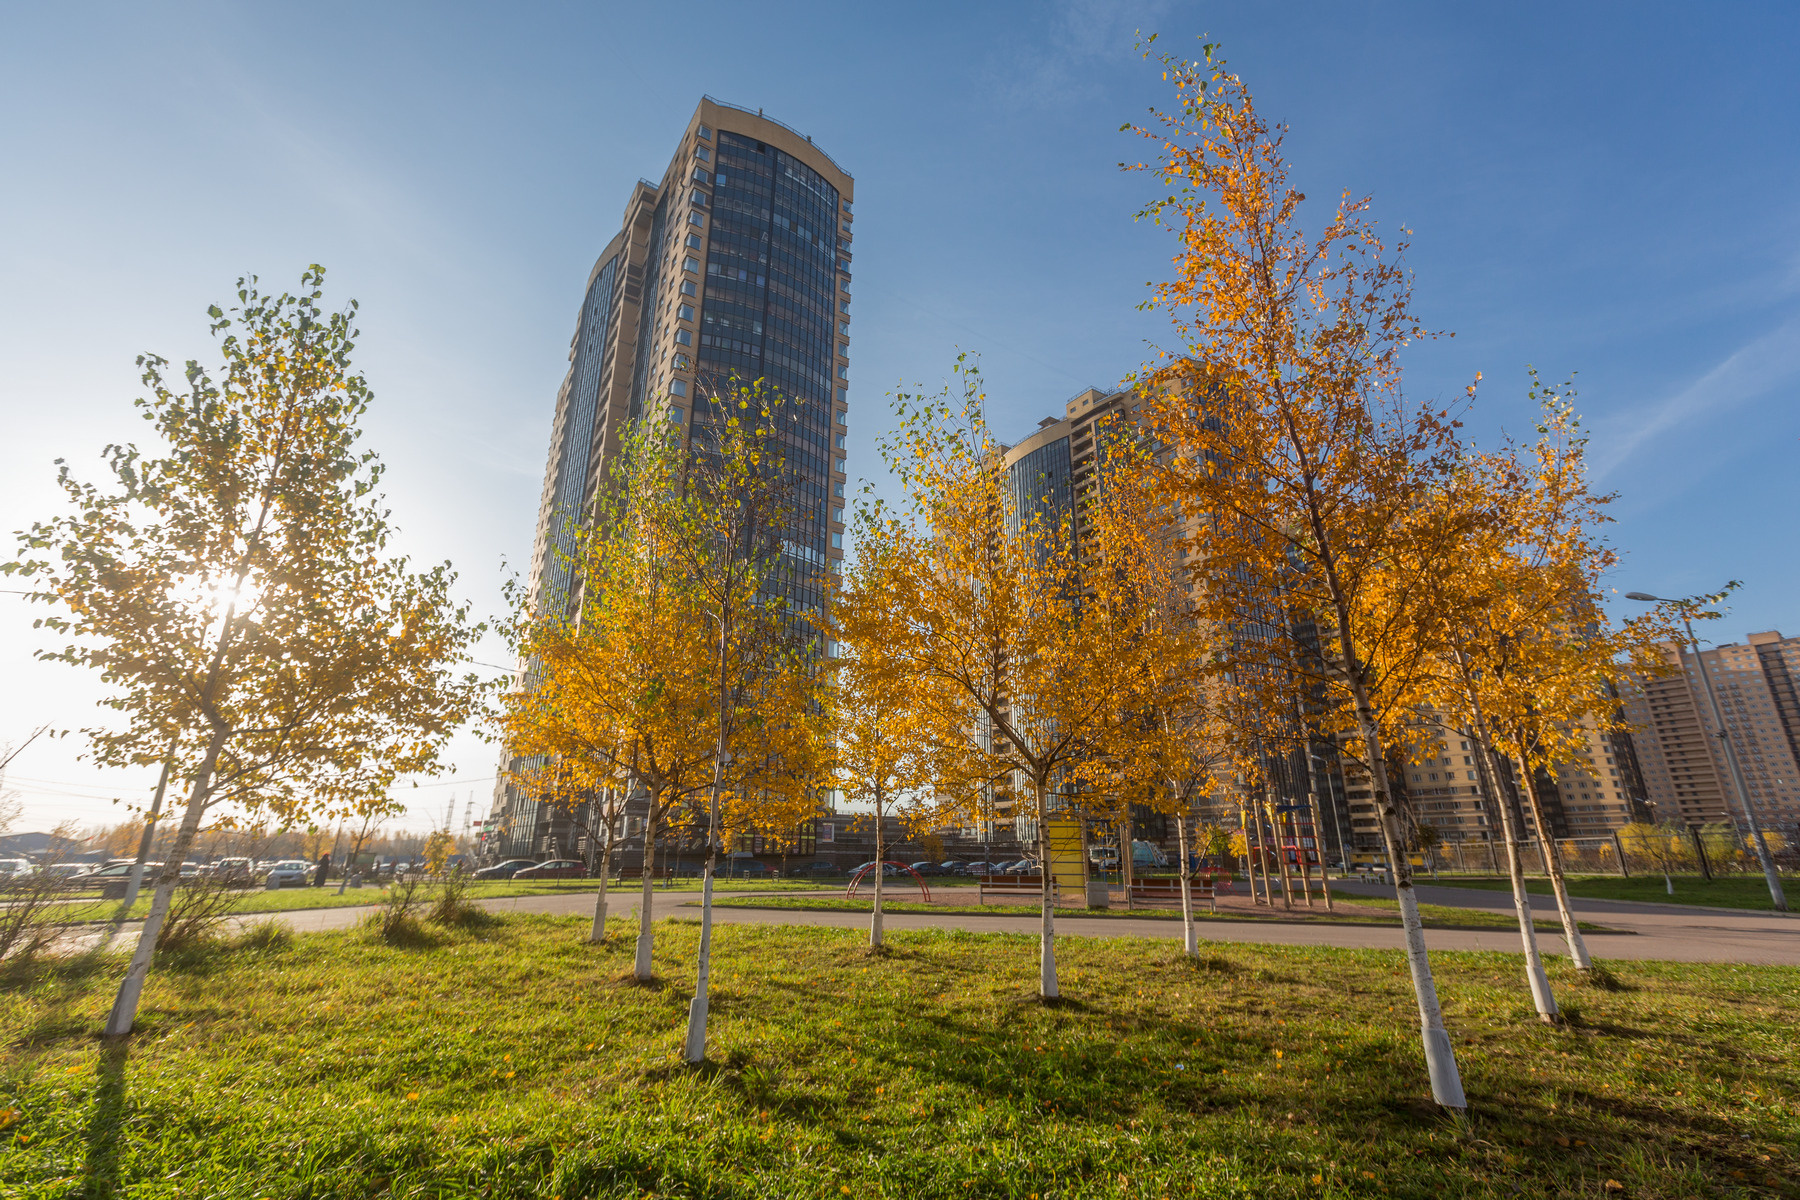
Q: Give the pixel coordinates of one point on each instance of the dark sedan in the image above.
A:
(505, 870)
(556, 868)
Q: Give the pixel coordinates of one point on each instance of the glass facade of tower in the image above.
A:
(593, 344)
(1041, 484)
(768, 313)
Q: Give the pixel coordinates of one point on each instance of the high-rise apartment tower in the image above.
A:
(1678, 744)
(735, 268)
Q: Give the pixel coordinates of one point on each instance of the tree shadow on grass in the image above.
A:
(105, 1131)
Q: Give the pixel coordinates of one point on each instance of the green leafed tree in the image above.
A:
(236, 587)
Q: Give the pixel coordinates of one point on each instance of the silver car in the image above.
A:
(290, 872)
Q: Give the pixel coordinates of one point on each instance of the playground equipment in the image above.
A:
(857, 877)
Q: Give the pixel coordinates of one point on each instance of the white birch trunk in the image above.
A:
(1578, 953)
(125, 1005)
(1190, 936)
(1047, 988)
(696, 1030)
(1541, 995)
(1440, 1055)
(646, 940)
(880, 873)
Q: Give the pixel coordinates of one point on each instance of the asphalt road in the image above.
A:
(1675, 933)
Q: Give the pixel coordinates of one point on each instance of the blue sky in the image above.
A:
(1608, 189)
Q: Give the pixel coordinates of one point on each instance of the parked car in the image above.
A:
(114, 878)
(239, 872)
(289, 872)
(505, 870)
(952, 867)
(11, 867)
(1023, 867)
(556, 868)
(745, 868)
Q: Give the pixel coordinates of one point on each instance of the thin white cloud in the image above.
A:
(1057, 67)
(1750, 371)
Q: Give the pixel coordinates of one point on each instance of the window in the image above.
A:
(695, 218)
(840, 467)
(846, 206)
(704, 133)
(693, 241)
(840, 441)
(699, 198)
(678, 387)
(837, 514)
(843, 350)
(703, 153)
(685, 312)
(700, 175)
(843, 329)
(674, 416)
(837, 541)
(843, 368)
(843, 398)
(844, 307)
(684, 337)
(687, 287)
(837, 489)
(690, 263)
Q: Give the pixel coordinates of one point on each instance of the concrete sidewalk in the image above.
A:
(1671, 933)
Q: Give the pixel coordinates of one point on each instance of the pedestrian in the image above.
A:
(320, 871)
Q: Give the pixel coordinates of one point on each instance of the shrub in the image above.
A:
(30, 915)
(450, 906)
(197, 909)
(397, 922)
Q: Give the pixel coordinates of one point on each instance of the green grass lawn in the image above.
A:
(260, 900)
(1437, 915)
(1725, 891)
(514, 1060)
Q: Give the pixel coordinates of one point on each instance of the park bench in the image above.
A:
(1165, 887)
(1008, 885)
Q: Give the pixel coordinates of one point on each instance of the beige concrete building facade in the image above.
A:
(1685, 772)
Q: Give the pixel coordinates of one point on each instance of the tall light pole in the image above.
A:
(1684, 607)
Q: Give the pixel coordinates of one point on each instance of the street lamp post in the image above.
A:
(1776, 895)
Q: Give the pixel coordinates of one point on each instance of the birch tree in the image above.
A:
(1020, 646)
(614, 699)
(735, 535)
(237, 588)
(1283, 399)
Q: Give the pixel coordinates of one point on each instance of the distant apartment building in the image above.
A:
(1048, 472)
(733, 268)
(1686, 776)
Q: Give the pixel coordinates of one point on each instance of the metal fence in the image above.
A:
(1708, 851)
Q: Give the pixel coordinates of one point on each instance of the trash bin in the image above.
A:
(1099, 895)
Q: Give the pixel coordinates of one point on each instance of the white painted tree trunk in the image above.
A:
(598, 933)
(125, 1005)
(1578, 952)
(696, 1030)
(1541, 995)
(1440, 1055)
(1047, 988)
(646, 940)
(880, 874)
(1190, 936)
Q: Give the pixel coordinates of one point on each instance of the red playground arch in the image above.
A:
(857, 877)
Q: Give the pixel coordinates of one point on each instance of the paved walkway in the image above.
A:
(1675, 933)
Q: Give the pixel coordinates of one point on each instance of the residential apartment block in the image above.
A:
(1686, 776)
(734, 268)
